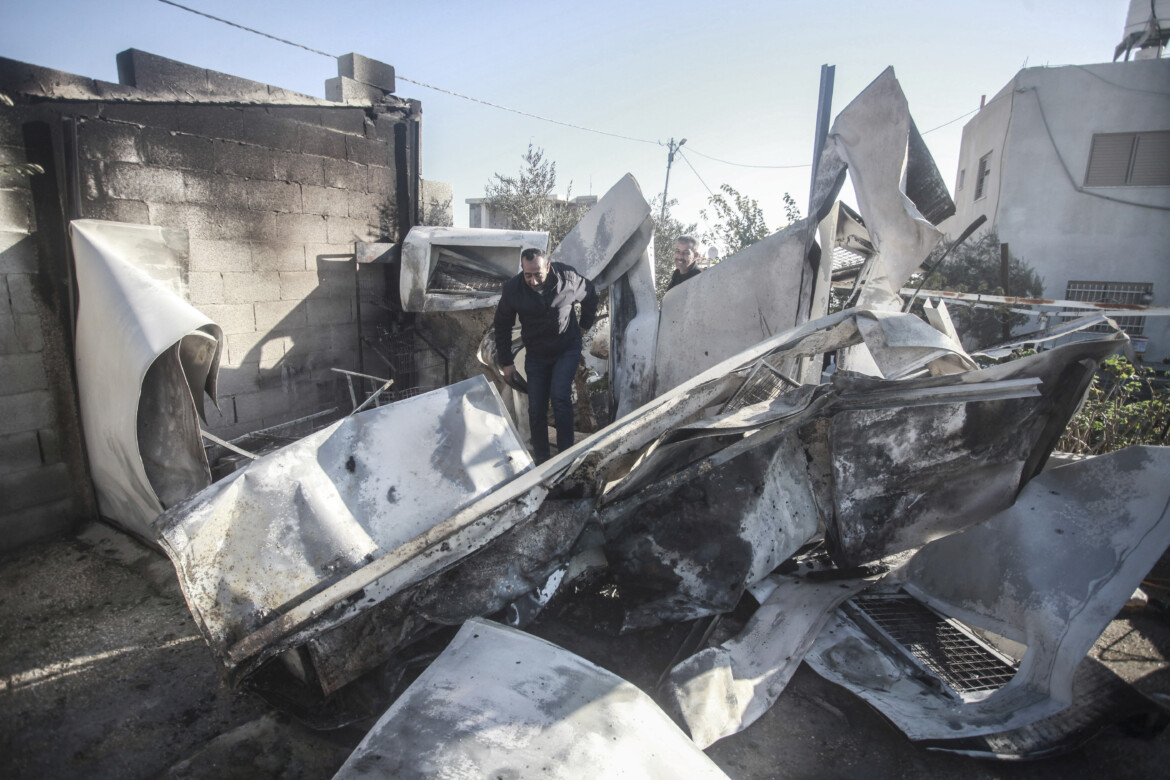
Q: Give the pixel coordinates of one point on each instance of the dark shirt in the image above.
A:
(548, 323)
(676, 278)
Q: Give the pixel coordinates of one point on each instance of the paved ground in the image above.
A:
(103, 674)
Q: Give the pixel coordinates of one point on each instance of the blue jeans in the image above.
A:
(550, 377)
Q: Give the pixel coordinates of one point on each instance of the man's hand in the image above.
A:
(509, 372)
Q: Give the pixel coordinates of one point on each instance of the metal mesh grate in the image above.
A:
(953, 655)
(762, 385)
(449, 277)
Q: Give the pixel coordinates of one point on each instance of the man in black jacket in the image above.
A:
(543, 295)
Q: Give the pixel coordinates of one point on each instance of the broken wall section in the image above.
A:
(273, 189)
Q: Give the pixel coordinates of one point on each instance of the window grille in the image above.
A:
(1123, 293)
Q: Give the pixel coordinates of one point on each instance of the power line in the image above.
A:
(746, 165)
(944, 124)
(248, 29)
(419, 83)
(700, 178)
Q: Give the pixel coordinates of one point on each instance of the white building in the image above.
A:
(1072, 166)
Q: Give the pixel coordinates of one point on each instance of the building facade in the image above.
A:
(1071, 165)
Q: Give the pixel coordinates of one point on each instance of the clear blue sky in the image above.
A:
(739, 80)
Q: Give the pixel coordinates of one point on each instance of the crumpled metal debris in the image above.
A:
(455, 269)
(501, 703)
(1050, 573)
(144, 359)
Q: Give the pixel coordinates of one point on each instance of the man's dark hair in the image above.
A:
(692, 243)
(531, 254)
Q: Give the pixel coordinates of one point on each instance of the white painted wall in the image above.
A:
(1066, 234)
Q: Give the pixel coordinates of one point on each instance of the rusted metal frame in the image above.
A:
(1104, 308)
(269, 432)
(373, 396)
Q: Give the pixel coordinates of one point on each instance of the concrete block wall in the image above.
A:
(43, 488)
(273, 189)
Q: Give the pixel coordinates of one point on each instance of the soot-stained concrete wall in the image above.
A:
(273, 188)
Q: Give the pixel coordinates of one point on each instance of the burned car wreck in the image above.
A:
(729, 454)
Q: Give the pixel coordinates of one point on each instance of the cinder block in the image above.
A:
(269, 130)
(151, 73)
(26, 412)
(371, 208)
(321, 141)
(129, 181)
(39, 522)
(251, 287)
(252, 162)
(206, 222)
(272, 350)
(238, 377)
(252, 407)
(278, 257)
(244, 349)
(327, 311)
(225, 191)
(344, 174)
(281, 316)
(232, 318)
(348, 120)
(296, 285)
(169, 149)
(310, 115)
(18, 254)
(328, 201)
(9, 343)
(225, 122)
(300, 228)
(16, 211)
(326, 255)
(133, 211)
(367, 152)
(22, 373)
(108, 141)
(21, 294)
(306, 341)
(205, 287)
(19, 452)
(225, 85)
(33, 487)
(28, 332)
(366, 70)
(298, 168)
(380, 180)
(336, 281)
(50, 446)
(347, 231)
(152, 116)
(352, 93)
(211, 255)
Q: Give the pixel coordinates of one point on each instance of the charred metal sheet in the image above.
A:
(451, 269)
(905, 475)
(144, 359)
(1050, 572)
(875, 135)
(924, 185)
(722, 690)
(253, 547)
(501, 703)
(611, 236)
(633, 335)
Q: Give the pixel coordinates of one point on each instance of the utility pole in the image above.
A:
(669, 161)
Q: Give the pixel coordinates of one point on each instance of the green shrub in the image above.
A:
(1124, 406)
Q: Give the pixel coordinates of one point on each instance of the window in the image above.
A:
(981, 177)
(962, 178)
(1136, 293)
(1129, 160)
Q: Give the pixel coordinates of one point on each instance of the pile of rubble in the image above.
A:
(893, 519)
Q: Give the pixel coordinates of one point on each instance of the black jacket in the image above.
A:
(548, 323)
(676, 278)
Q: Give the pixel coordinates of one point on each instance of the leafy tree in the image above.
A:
(736, 221)
(791, 210)
(666, 229)
(528, 200)
(1122, 408)
(974, 267)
